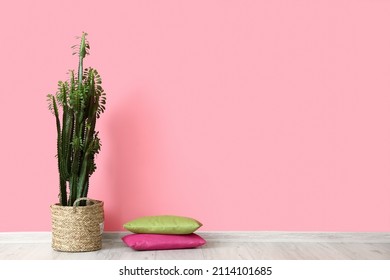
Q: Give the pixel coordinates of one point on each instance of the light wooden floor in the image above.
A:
(220, 246)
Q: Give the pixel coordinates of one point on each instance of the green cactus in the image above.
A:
(83, 101)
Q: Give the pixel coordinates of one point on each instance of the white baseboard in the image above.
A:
(282, 236)
(227, 236)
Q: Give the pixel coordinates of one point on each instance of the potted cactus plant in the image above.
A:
(77, 221)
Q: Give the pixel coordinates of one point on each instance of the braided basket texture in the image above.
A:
(77, 228)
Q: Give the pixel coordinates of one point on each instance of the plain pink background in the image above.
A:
(247, 115)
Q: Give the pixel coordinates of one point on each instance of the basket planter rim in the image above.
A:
(95, 202)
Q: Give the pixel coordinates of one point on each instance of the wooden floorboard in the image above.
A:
(220, 246)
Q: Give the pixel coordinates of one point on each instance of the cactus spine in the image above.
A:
(83, 101)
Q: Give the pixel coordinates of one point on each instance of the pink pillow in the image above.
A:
(146, 241)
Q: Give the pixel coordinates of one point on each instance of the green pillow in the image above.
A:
(165, 224)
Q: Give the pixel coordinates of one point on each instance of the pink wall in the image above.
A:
(248, 115)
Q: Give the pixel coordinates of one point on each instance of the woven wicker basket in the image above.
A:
(77, 228)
